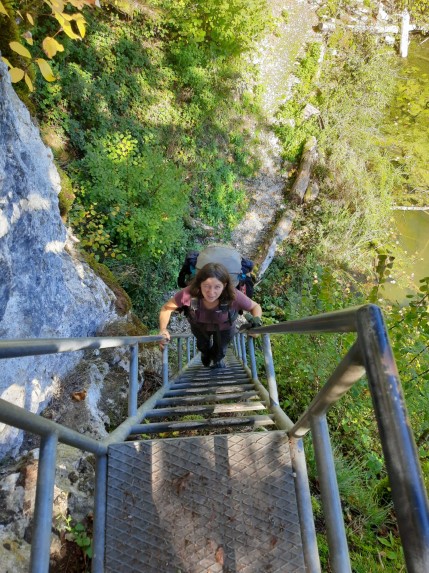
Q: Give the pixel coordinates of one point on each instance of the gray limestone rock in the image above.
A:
(45, 290)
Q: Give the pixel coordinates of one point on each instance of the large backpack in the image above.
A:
(239, 268)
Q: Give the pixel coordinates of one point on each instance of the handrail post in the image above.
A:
(243, 349)
(253, 368)
(133, 384)
(188, 349)
(42, 525)
(100, 502)
(239, 353)
(303, 500)
(165, 365)
(194, 346)
(336, 534)
(269, 369)
(179, 354)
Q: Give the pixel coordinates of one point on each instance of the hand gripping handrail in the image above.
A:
(371, 353)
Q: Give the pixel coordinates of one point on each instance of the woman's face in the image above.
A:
(211, 289)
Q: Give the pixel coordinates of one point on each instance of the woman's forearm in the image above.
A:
(256, 310)
(165, 314)
(164, 319)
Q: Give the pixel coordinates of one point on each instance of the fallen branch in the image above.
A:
(308, 158)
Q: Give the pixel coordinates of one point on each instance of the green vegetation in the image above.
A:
(357, 176)
(78, 533)
(407, 127)
(329, 265)
(148, 121)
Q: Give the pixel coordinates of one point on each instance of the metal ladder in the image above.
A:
(229, 500)
(222, 500)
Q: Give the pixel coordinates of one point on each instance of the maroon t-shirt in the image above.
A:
(214, 318)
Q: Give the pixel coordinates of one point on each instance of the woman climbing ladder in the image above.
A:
(211, 305)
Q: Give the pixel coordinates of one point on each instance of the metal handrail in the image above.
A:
(371, 353)
(19, 347)
(51, 433)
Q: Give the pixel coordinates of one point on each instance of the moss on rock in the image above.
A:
(123, 301)
(66, 196)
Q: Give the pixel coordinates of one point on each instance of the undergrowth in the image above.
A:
(148, 118)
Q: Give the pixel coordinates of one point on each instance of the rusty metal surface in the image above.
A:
(209, 504)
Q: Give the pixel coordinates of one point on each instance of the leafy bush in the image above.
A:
(143, 208)
(228, 27)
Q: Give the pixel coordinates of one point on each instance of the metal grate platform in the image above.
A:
(209, 504)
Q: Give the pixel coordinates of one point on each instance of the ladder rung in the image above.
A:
(206, 384)
(207, 377)
(212, 390)
(158, 427)
(179, 401)
(216, 409)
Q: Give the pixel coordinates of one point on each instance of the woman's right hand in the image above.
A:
(166, 336)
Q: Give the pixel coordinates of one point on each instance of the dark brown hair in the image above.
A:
(213, 271)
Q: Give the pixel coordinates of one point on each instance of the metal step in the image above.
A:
(199, 393)
(222, 503)
(208, 383)
(209, 390)
(207, 399)
(208, 410)
(207, 424)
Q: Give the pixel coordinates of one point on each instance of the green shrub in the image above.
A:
(228, 27)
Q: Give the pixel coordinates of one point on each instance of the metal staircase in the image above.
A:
(224, 501)
(209, 474)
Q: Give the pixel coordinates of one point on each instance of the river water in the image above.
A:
(411, 249)
(412, 255)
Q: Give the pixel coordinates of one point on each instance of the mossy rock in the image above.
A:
(55, 138)
(132, 326)
(66, 196)
(123, 301)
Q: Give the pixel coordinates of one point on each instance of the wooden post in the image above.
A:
(405, 31)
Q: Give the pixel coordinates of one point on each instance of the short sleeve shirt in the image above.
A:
(213, 319)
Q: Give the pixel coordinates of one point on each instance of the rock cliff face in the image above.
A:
(45, 290)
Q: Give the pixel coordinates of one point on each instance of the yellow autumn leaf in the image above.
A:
(57, 5)
(6, 61)
(69, 31)
(45, 69)
(81, 24)
(20, 49)
(30, 18)
(79, 4)
(59, 18)
(63, 21)
(29, 82)
(3, 10)
(51, 46)
(16, 75)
